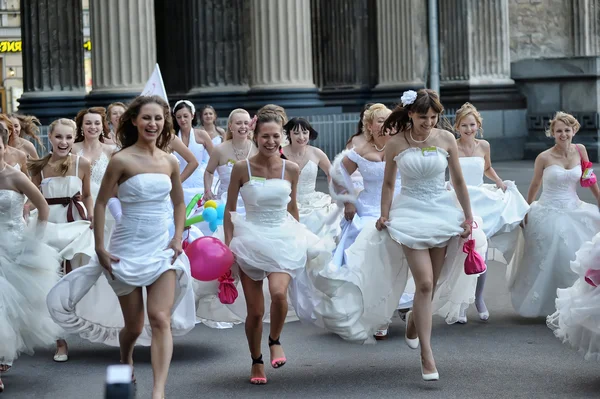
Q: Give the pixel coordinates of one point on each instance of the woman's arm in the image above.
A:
(209, 172)
(324, 162)
(34, 196)
(460, 187)
(178, 209)
(235, 183)
(204, 138)
(594, 188)
(536, 180)
(488, 171)
(293, 172)
(389, 179)
(85, 171)
(187, 155)
(108, 187)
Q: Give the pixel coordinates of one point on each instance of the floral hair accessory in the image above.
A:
(408, 97)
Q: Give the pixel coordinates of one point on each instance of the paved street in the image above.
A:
(507, 357)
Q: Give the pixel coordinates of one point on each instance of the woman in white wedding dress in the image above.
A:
(501, 206)
(420, 229)
(198, 142)
(141, 254)
(316, 209)
(267, 241)
(28, 268)
(576, 321)
(64, 180)
(557, 225)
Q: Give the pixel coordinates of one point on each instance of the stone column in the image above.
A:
(123, 48)
(281, 45)
(474, 42)
(586, 27)
(403, 53)
(344, 37)
(53, 75)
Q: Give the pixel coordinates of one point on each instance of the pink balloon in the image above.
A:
(209, 258)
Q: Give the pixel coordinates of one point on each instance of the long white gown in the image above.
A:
(28, 270)
(316, 209)
(558, 225)
(139, 241)
(355, 300)
(576, 321)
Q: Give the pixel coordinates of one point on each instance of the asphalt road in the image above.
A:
(506, 357)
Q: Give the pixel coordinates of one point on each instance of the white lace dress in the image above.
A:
(558, 225)
(28, 270)
(355, 300)
(139, 241)
(576, 321)
(316, 209)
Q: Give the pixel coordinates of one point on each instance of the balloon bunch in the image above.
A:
(213, 213)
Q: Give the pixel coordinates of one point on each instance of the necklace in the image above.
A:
(239, 154)
(377, 148)
(472, 151)
(417, 141)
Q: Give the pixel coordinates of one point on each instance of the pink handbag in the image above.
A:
(588, 178)
(474, 263)
(592, 277)
(227, 291)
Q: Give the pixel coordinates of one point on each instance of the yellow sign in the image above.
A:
(15, 46)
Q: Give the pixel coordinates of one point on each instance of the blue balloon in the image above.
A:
(209, 214)
(219, 222)
(221, 211)
(213, 226)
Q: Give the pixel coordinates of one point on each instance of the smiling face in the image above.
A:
(149, 122)
(239, 126)
(208, 116)
(268, 138)
(299, 137)
(563, 133)
(423, 123)
(468, 126)
(92, 126)
(115, 114)
(184, 117)
(375, 126)
(16, 126)
(62, 139)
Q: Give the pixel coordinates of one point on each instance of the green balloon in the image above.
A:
(192, 204)
(194, 220)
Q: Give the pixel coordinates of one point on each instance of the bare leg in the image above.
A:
(132, 306)
(161, 297)
(278, 288)
(479, 302)
(420, 263)
(255, 305)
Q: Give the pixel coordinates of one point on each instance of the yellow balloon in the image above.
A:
(210, 204)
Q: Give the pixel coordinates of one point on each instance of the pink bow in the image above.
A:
(592, 277)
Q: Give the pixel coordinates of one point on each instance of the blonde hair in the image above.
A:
(35, 166)
(228, 133)
(565, 118)
(466, 110)
(369, 116)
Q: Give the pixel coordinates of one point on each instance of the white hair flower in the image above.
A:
(408, 97)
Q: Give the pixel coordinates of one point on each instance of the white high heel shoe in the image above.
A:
(431, 376)
(413, 343)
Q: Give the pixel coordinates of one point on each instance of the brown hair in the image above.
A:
(466, 110)
(279, 110)
(359, 126)
(400, 122)
(11, 129)
(127, 133)
(267, 116)
(228, 134)
(114, 105)
(30, 126)
(565, 118)
(4, 135)
(79, 136)
(35, 166)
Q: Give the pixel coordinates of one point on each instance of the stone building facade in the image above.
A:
(319, 57)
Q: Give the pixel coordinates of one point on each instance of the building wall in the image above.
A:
(541, 29)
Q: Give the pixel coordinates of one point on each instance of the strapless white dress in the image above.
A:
(140, 241)
(558, 225)
(28, 270)
(195, 183)
(316, 209)
(355, 300)
(576, 321)
(502, 212)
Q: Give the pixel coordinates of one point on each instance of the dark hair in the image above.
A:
(180, 106)
(201, 113)
(301, 123)
(79, 136)
(400, 122)
(359, 127)
(127, 133)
